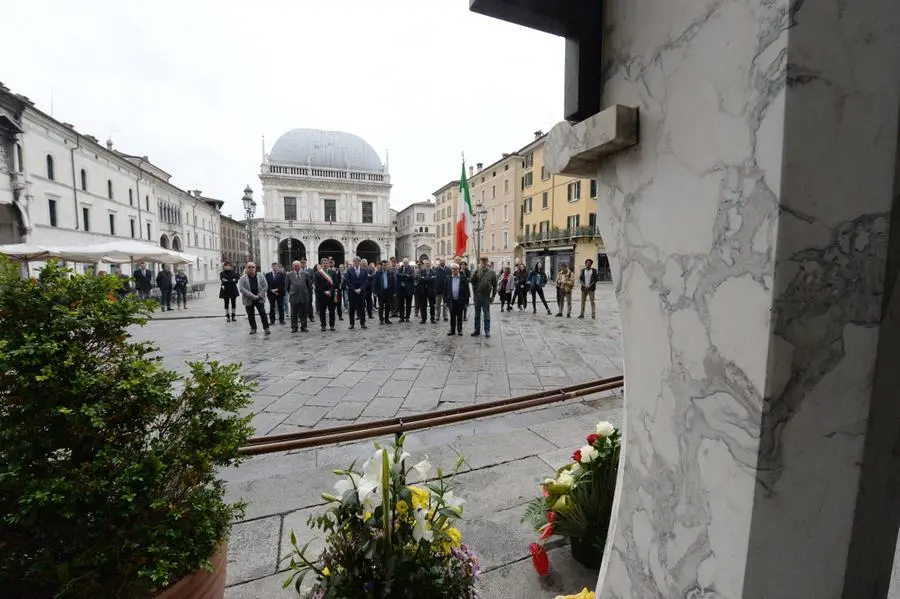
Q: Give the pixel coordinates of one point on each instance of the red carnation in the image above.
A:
(577, 455)
(592, 438)
(551, 517)
(539, 559)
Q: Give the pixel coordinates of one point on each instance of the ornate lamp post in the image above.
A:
(290, 223)
(249, 211)
(480, 214)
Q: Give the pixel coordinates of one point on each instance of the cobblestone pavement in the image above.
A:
(320, 379)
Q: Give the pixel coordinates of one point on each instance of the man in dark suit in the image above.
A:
(456, 295)
(406, 288)
(327, 283)
(441, 274)
(357, 282)
(143, 281)
(364, 264)
(385, 285)
(298, 285)
(164, 281)
(275, 291)
(425, 291)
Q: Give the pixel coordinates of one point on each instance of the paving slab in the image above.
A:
(518, 580)
(497, 449)
(297, 522)
(253, 549)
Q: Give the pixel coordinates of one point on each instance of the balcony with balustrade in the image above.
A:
(557, 236)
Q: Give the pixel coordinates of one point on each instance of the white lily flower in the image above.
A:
(423, 468)
(345, 484)
(452, 501)
(420, 531)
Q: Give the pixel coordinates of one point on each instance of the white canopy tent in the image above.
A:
(116, 252)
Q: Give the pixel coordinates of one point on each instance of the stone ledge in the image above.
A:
(576, 150)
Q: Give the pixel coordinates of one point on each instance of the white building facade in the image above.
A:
(416, 232)
(325, 194)
(62, 187)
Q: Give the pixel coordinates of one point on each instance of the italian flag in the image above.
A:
(463, 215)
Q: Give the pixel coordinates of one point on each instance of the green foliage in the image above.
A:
(387, 539)
(107, 459)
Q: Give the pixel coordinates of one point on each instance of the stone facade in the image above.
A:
(69, 189)
(416, 232)
(496, 187)
(323, 210)
(445, 200)
(757, 280)
(235, 244)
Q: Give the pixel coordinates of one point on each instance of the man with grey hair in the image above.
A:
(252, 287)
(298, 286)
(456, 295)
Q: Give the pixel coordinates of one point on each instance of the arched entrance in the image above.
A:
(332, 248)
(176, 243)
(11, 228)
(164, 242)
(369, 250)
(290, 250)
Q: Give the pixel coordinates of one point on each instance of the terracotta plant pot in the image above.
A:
(202, 584)
(587, 552)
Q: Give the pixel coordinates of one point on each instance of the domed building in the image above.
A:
(325, 194)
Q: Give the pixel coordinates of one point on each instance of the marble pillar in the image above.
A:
(750, 235)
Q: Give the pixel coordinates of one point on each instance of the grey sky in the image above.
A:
(194, 84)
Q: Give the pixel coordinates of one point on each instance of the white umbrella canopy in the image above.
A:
(127, 251)
(34, 252)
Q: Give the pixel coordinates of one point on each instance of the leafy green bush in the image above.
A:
(108, 461)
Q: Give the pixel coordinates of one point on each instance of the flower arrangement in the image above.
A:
(578, 503)
(386, 538)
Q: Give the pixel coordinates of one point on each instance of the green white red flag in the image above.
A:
(464, 214)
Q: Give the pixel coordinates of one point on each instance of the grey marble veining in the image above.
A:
(749, 239)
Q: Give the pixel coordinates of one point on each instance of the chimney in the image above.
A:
(109, 145)
(471, 171)
(538, 134)
(145, 159)
(479, 166)
(196, 192)
(505, 154)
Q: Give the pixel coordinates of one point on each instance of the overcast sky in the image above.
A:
(196, 84)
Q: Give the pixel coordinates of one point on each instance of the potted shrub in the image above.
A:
(577, 504)
(108, 460)
(386, 538)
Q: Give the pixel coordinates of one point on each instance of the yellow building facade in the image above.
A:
(445, 202)
(558, 214)
(494, 191)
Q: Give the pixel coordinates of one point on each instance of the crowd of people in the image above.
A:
(395, 290)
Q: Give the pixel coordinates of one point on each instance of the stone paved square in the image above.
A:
(321, 379)
(324, 379)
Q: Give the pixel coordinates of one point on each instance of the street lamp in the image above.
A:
(249, 211)
(480, 213)
(290, 223)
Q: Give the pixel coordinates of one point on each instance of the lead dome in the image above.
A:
(325, 149)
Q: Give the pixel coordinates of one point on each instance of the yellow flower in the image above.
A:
(584, 594)
(420, 497)
(326, 571)
(455, 536)
(366, 516)
(402, 507)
